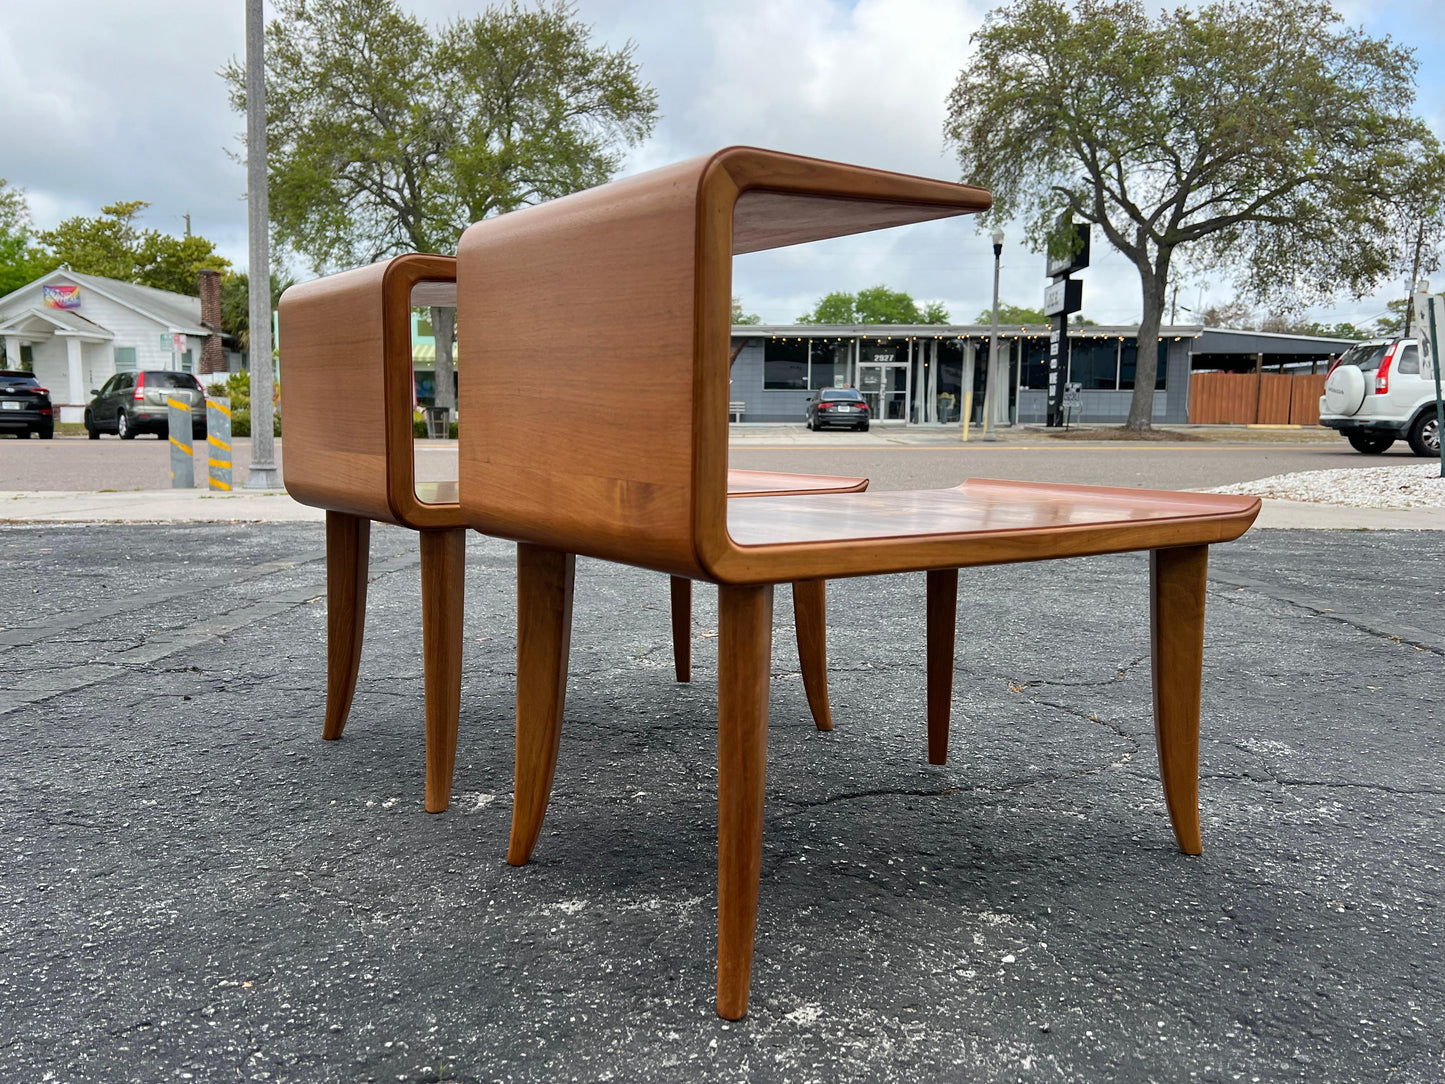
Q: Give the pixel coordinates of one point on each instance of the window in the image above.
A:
(1094, 363)
(165, 379)
(1409, 360)
(785, 364)
(1129, 360)
(187, 361)
(125, 359)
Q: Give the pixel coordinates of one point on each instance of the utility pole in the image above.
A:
(263, 473)
(187, 217)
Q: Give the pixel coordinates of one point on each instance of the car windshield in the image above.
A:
(1366, 356)
(835, 396)
(172, 380)
(17, 380)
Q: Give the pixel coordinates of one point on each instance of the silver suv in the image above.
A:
(1378, 393)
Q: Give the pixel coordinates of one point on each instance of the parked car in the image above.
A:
(1377, 394)
(837, 406)
(25, 406)
(131, 403)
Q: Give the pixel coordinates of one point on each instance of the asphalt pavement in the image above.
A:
(196, 887)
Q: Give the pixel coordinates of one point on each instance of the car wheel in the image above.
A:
(1425, 436)
(863, 428)
(808, 423)
(46, 432)
(90, 430)
(123, 427)
(1369, 443)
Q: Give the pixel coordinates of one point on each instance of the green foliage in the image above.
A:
(875, 305)
(112, 245)
(418, 427)
(1014, 314)
(241, 423)
(386, 136)
(740, 317)
(1261, 136)
(236, 303)
(237, 387)
(21, 260)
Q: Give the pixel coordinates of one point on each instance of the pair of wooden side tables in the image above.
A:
(595, 342)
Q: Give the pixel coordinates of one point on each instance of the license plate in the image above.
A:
(847, 409)
(11, 404)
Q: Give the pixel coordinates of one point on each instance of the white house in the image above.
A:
(75, 331)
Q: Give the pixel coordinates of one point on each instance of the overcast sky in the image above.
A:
(122, 101)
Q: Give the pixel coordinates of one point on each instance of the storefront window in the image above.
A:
(785, 364)
(1036, 364)
(1129, 359)
(949, 386)
(829, 365)
(1094, 363)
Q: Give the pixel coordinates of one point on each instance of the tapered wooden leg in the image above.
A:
(942, 623)
(810, 618)
(443, 589)
(1176, 642)
(745, 637)
(682, 627)
(544, 639)
(348, 544)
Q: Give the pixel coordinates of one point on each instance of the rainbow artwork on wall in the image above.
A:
(61, 297)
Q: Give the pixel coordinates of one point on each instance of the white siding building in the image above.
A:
(75, 331)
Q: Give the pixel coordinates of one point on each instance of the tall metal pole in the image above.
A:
(991, 375)
(263, 473)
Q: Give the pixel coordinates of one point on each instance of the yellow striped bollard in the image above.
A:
(178, 426)
(218, 442)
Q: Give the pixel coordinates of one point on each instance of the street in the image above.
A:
(902, 459)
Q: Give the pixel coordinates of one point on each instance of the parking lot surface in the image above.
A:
(195, 886)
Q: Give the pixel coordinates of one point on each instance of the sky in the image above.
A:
(126, 103)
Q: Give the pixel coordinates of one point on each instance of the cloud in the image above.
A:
(124, 103)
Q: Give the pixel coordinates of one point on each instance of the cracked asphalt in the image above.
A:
(196, 887)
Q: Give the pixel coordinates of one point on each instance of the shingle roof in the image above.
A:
(176, 311)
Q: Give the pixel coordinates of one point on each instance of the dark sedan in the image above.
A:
(838, 406)
(25, 406)
(131, 403)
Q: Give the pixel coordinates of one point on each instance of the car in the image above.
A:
(25, 406)
(132, 403)
(1377, 393)
(837, 406)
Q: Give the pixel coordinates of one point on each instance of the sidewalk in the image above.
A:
(244, 506)
(752, 434)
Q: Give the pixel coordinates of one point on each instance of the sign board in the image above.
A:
(1078, 256)
(1430, 318)
(1073, 394)
(1064, 296)
(178, 343)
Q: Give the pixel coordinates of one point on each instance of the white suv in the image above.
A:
(1378, 393)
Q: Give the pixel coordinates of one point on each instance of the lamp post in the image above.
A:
(263, 473)
(991, 374)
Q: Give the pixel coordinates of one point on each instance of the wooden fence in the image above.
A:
(1255, 398)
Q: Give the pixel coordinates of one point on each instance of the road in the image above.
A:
(107, 464)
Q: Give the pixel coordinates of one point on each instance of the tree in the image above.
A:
(875, 305)
(236, 304)
(21, 261)
(1257, 135)
(112, 245)
(386, 136)
(740, 317)
(1417, 223)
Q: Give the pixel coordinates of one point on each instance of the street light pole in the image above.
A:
(263, 473)
(991, 377)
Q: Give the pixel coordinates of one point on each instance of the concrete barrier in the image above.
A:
(178, 422)
(218, 442)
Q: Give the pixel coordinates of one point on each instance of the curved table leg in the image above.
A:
(443, 590)
(545, 579)
(348, 541)
(1176, 643)
(681, 591)
(942, 623)
(810, 618)
(745, 637)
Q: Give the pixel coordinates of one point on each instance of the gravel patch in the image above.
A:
(1417, 485)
